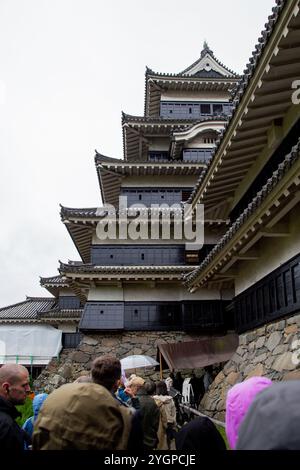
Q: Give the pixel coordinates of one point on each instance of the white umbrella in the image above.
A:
(136, 361)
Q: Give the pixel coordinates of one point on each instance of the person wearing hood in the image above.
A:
(273, 419)
(36, 405)
(167, 419)
(198, 435)
(239, 399)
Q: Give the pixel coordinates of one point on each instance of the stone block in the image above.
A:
(65, 371)
(294, 319)
(280, 325)
(241, 350)
(258, 370)
(229, 367)
(261, 331)
(291, 329)
(260, 358)
(237, 359)
(270, 328)
(87, 348)
(219, 379)
(233, 378)
(284, 362)
(110, 342)
(282, 348)
(268, 362)
(79, 356)
(56, 380)
(89, 340)
(260, 342)
(274, 340)
(294, 375)
(250, 337)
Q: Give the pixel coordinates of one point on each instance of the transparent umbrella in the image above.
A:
(137, 361)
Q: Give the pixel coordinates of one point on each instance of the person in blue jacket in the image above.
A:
(36, 405)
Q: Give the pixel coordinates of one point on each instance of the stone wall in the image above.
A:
(74, 362)
(270, 351)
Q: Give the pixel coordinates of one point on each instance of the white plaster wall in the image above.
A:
(159, 143)
(195, 96)
(106, 293)
(66, 292)
(150, 292)
(273, 253)
(197, 142)
(67, 327)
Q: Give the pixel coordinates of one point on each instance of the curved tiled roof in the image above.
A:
(28, 309)
(73, 267)
(53, 281)
(163, 120)
(256, 202)
(239, 91)
(66, 212)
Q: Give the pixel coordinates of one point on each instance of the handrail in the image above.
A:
(198, 413)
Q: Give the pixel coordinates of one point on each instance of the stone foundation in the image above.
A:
(74, 362)
(270, 351)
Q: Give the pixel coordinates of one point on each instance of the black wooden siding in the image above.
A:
(69, 302)
(272, 298)
(150, 196)
(192, 110)
(138, 255)
(206, 315)
(102, 316)
(196, 155)
(71, 340)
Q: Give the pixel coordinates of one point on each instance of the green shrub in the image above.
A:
(26, 411)
(223, 434)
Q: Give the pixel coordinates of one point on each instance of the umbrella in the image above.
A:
(136, 361)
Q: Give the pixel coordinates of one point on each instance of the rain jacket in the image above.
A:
(149, 413)
(167, 417)
(36, 405)
(273, 419)
(11, 435)
(82, 416)
(198, 435)
(239, 398)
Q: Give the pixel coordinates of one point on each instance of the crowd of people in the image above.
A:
(106, 411)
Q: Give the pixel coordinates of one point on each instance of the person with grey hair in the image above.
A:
(14, 388)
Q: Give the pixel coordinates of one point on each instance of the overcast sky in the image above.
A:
(67, 70)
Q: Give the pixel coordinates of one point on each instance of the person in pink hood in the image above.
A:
(239, 399)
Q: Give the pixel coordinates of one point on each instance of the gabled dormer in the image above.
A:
(205, 78)
(208, 66)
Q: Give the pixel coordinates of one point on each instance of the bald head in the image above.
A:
(14, 383)
(11, 373)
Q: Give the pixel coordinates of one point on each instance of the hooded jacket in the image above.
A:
(11, 435)
(36, 405)
(239, 398)
(167, 417)
(200, 434)
(273, 419)
(82, 416)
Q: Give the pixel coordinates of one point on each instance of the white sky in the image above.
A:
(67, 70)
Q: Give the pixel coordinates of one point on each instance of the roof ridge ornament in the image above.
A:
(206, 49)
